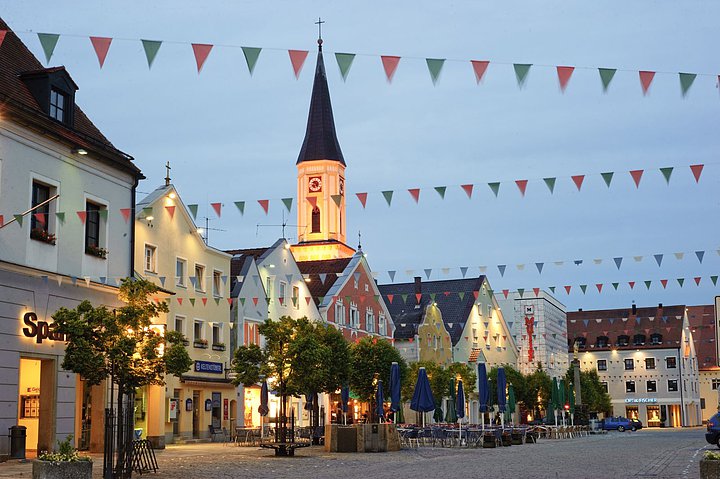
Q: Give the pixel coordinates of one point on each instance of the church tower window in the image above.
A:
(316, 220)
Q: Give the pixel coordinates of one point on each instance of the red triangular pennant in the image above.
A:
(40, 217)
(390, 297)
(506, 292)
(415, 193)
(217, 207)
(468, 190)
(171, 211)
(125, 214)
(101, 46)
(664, 283)
(307, 299)
(255, 301)
(265, 204)
(522, 185)
(697, 280)
(578, 180)
(479, 68)
(567, 289)
(312, 200)
(476, 294)
(536, 291)
(82, 215)
(362, 197)
(599, 288)
(418, 297)
(2, 36)
(204, 301)
(390, 64)
(646, 79)
(696, 171)
(297, 58)
(632, 284)
(636, 176)
(229, 300)
(564, 74)
(201, 51)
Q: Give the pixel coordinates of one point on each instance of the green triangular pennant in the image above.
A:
(192, 301)
(714, 280)
(251, 57)
(461, 294)
(240, 206)
(647, 284)
(60, 216)
(242, 301)
(348, 299)
(552, 288)
(320, 299)
(521, 71)
(288, 203)
(583, 287)
(521, 291)
(667, 172)
(681, 281)
(19, 219)
(441, 191)
(435, 66)
(103, 214)
(344, 61)
(686, 81)
(377, 298)
(606, 75)
(193, 210)
(147, 211)
(267, 300)
(607, 177)
(404, 297)
(337, 199)
(615, 286)
(48, 42)
(495, 187)
(217, 301)
(550, 182)
(151, 48)
(432, 296)
(388, 196)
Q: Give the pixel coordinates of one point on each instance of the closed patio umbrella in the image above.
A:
(502, 400)
(422, 400)
(395, 405)
(450, 414)
(460, 405)
(511, 402)
(561, 398)
(344, 399)
(483, 392)
(380, 400)
(263, 408)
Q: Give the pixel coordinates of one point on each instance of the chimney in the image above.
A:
(418, 285)
(659, 305)
(634, 309)
(579, 309)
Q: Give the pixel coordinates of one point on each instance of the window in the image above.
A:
(602, 342)
(281, 295)
(489, 311)
(655, 339)
(150, 258)
(381, 325)
(602, 365)
(629, 386)
(92, 225)
(199, 278)
(339, 313)
(479, 309)
(40, 216)
(639, 340)
(604, 385)
(580, 342)
(315, 222)
(651, 386)
(672, 385)
(180, 272)
(354, 317)
(217, 283)
(623, 340)
(269, 287)
(58, 105)
(370, 321)
(671, 362)
(715, 384)
(180, 324)
(649, 363)
(629, 364)
(702, 403)
(217, 334)
(198, 331)
(296, 297)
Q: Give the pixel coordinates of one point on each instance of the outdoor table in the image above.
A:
(246, 435)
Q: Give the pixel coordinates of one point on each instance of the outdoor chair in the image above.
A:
(410, 436)
(218, 432)
(426, 436)
(440, 436)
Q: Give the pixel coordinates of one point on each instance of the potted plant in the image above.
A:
(200, 343)
(96, 251)
(710, 465)
(63, 463)
(218, 346)
(40, 234)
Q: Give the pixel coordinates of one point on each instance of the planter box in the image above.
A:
(709, 469)
(200, 345)
(62, 470)
(218, 347)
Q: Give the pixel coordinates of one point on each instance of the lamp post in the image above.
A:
(372, 418)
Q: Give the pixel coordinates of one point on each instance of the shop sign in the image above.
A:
(209, 367)
(226, 409)
(640, 400)
(208, 405)
(39, 329)
(216, 399)
(188, 404)
(173, 406)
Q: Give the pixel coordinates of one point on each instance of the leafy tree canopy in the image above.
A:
(370, 357)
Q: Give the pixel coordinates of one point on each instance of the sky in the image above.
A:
(230, 136)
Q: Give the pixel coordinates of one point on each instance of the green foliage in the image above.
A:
(121, 343)
(711, 456)
(538, 390)
(247, 364)
(65, 452)
(593, 393)
(468, 376)
(370, 357)
(440, 379)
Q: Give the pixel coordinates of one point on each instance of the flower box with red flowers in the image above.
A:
(96, 251)
(40, 234)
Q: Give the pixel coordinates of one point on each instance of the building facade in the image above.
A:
(704, 326)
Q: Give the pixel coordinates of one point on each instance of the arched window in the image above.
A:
(316, 220)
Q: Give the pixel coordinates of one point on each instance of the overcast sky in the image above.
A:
(232, 137)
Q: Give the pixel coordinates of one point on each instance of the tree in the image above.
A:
(514, 377)
(539, 387)
(468, 376)
(593, 392)
(371, 356)
(122, 344)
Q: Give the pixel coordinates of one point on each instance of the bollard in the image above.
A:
(18, 436)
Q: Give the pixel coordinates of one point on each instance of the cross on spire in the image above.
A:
(319, 24)
(167, 174)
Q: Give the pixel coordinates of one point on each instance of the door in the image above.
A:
(196, 414)
(176, 421)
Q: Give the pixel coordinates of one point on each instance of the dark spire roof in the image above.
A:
(321, 141)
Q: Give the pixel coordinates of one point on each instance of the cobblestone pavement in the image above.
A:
(660, 454)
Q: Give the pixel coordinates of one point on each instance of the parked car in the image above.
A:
(713, 430)
(620, 423)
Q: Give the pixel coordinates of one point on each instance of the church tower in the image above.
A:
(321, 180)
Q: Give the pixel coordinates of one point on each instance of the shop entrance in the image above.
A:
(36, 411)
(196, 414)
(653, 416)
(216, 409)
(176, 421)
(85, 416)
(631, 412)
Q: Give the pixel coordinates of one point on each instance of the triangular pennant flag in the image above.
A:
(60, 215)
(103, 213)
(240, 205)
(390, 298)
(432, 298)
(607, 177)
(495, 187)
(151, 48)
(415, 193)
(638, 259)
(230, 301)
(463, 270)
(647, 284)
(539, 267)
(392, 275)
(193, 210)
(344, 61)
(418, 297)
(615, 286)
(479, 67)
(599, 287)
(658, 259)
(82, 215)
(323, 276)
(2, 217)
(40, 218)
(461, 295)
(180, 300)
(522, 185)
(362, 197)
(536, 291)
(162, 280)
(631, 284)
(125, 212)
(297, 58)
(679, 256)
(428, 272)
(501, 268)
(251, 57)
(388, 196)
(264, 204)
(564, 74)
(48, 42)
(686, 81)
(404, 297)
(583, 287)
(307, 299)
(667, 172)
(468, 189)
(552, 289)
(646, 78)
(19, 219)
(521, 291)
(390, 64)
(700, 255)
(288, 203)
(2, 36)
(171, 211)
(636, 176)
(441, 191)
(550, 183)
(217, 207)
(192, 301)
(714, 280)
(505, 293)
(476, 294)
(201, 52)
(521, 72)
(312, 200)
(101, 46)
(255, 301)
(289, 278)
(664, 283)
(578, 180)
(606, 75)
(567, 289)
(435, 67)
(337, 199)
(696, 171)
(204, 301)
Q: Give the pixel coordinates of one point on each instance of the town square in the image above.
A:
(282, 239)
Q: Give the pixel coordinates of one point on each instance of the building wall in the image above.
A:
(433, 340)
(709, 389)
(332, 217)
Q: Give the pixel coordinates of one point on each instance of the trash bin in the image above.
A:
(18, 437)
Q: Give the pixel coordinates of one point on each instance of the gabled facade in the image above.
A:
(704, 327)
(170, 252)
(63, 239)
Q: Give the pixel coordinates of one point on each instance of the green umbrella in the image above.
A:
(511, 403)
(451, 414)
(438, 414)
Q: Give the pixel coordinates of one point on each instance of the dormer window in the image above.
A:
(58, 105)
(54, 92)
(602, 342)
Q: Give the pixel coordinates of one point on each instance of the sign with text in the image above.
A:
(640, 400)
(209, 367)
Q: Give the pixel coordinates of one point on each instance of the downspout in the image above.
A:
(132, 226)
(681, 385)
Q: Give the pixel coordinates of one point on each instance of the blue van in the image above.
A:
(713, 430)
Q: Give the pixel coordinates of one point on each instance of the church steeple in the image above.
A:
(321, 141)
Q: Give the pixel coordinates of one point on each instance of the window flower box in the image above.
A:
(200, 343)
(96, 251)
(186, 342)
(218, 346)
(40, 234)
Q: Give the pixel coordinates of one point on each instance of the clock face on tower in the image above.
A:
(315, 184)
